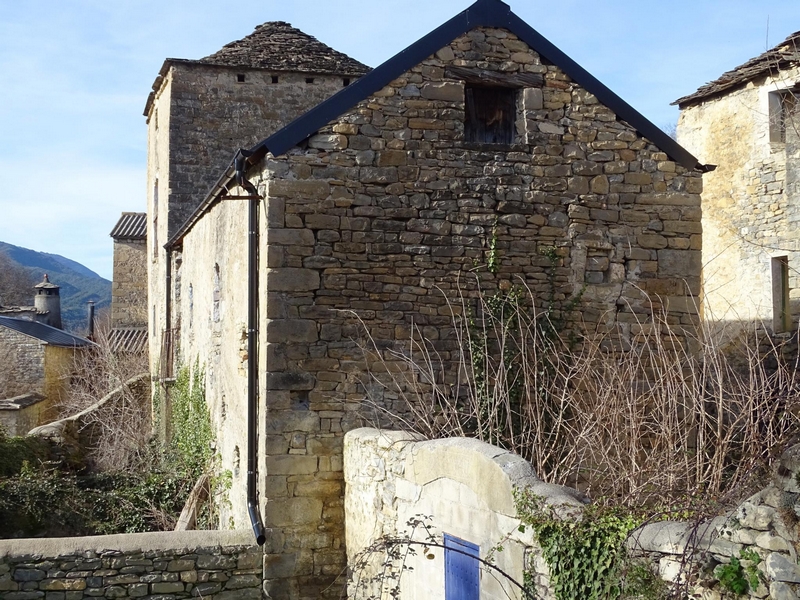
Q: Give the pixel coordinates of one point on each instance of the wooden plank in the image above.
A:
(494, 78)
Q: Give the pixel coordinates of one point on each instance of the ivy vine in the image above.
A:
(586, 555)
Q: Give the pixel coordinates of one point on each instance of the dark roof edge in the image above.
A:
(483, 13)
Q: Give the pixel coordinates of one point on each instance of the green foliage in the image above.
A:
(40, 496)
(641, 581)
(737, 577)
(586, 556)
(16, 451)
(191, 438)
(43, 501)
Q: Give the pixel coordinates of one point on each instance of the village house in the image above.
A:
(201, 111)
(746, 121)
(37, 359)
(370, 212)
(128, 331)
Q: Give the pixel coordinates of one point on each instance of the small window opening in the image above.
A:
(240, 77)
(345, 82)
(782, 112)
(490, 115)
(274, 79)
(781, 314)
(309, 80)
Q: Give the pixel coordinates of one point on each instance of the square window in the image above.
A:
(490, 115)
(240, 77)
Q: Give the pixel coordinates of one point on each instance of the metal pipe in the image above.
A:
(252, 348)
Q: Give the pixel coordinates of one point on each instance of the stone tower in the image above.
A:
(201, 112)
(48, 303)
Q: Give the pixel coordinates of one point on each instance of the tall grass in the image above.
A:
(651, 412)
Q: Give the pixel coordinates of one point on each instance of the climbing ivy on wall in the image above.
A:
(585, 554)
(191, 438)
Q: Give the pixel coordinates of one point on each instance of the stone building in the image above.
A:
(201, 111)
(481, 140)
(129, 286)
(746, 122)
(37, 360)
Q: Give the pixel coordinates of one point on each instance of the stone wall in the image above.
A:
(750, 208)
(460, 487)
(23, 364)
(200, 117)
(379, 222)
(390, 215)
(765, 524)
(129, 287)
(197, 564)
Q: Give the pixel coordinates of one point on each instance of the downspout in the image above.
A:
(252, 346)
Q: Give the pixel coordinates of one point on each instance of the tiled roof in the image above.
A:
(44, 333)
(21, 310)
(278, 46)
(131, 226)
(771, 61)
(128, 339)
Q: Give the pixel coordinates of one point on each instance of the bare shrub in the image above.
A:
(636, 414)
(119, 430)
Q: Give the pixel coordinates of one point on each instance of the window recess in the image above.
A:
(490, 115)
(783, 114)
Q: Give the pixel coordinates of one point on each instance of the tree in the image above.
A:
(16, 285)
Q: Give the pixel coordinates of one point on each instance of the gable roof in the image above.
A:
(44, 333)
(131, 226)
(273, 46)
(770, 62)
(483, 13)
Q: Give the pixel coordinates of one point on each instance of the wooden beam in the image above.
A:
(494, 78)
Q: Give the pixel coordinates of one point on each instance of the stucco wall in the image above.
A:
(211, 315)
(750, 208)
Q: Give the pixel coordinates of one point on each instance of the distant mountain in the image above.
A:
(78, 284)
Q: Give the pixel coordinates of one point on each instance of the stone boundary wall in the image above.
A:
(213, 565)
(767, 523)
(460, 486)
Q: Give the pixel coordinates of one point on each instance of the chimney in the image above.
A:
(48, 303)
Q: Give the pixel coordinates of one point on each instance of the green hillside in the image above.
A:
(78, 284)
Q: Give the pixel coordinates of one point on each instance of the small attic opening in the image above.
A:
(240, 78)
(490, 114)
(309, 80)
(345, 82)
(274, 79)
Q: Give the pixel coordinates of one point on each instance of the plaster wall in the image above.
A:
(458, 486)
(212, 293)
(750, 202)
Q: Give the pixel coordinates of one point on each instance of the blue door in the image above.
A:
(461, 571)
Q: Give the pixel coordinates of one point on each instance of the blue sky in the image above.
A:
(76, 75)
